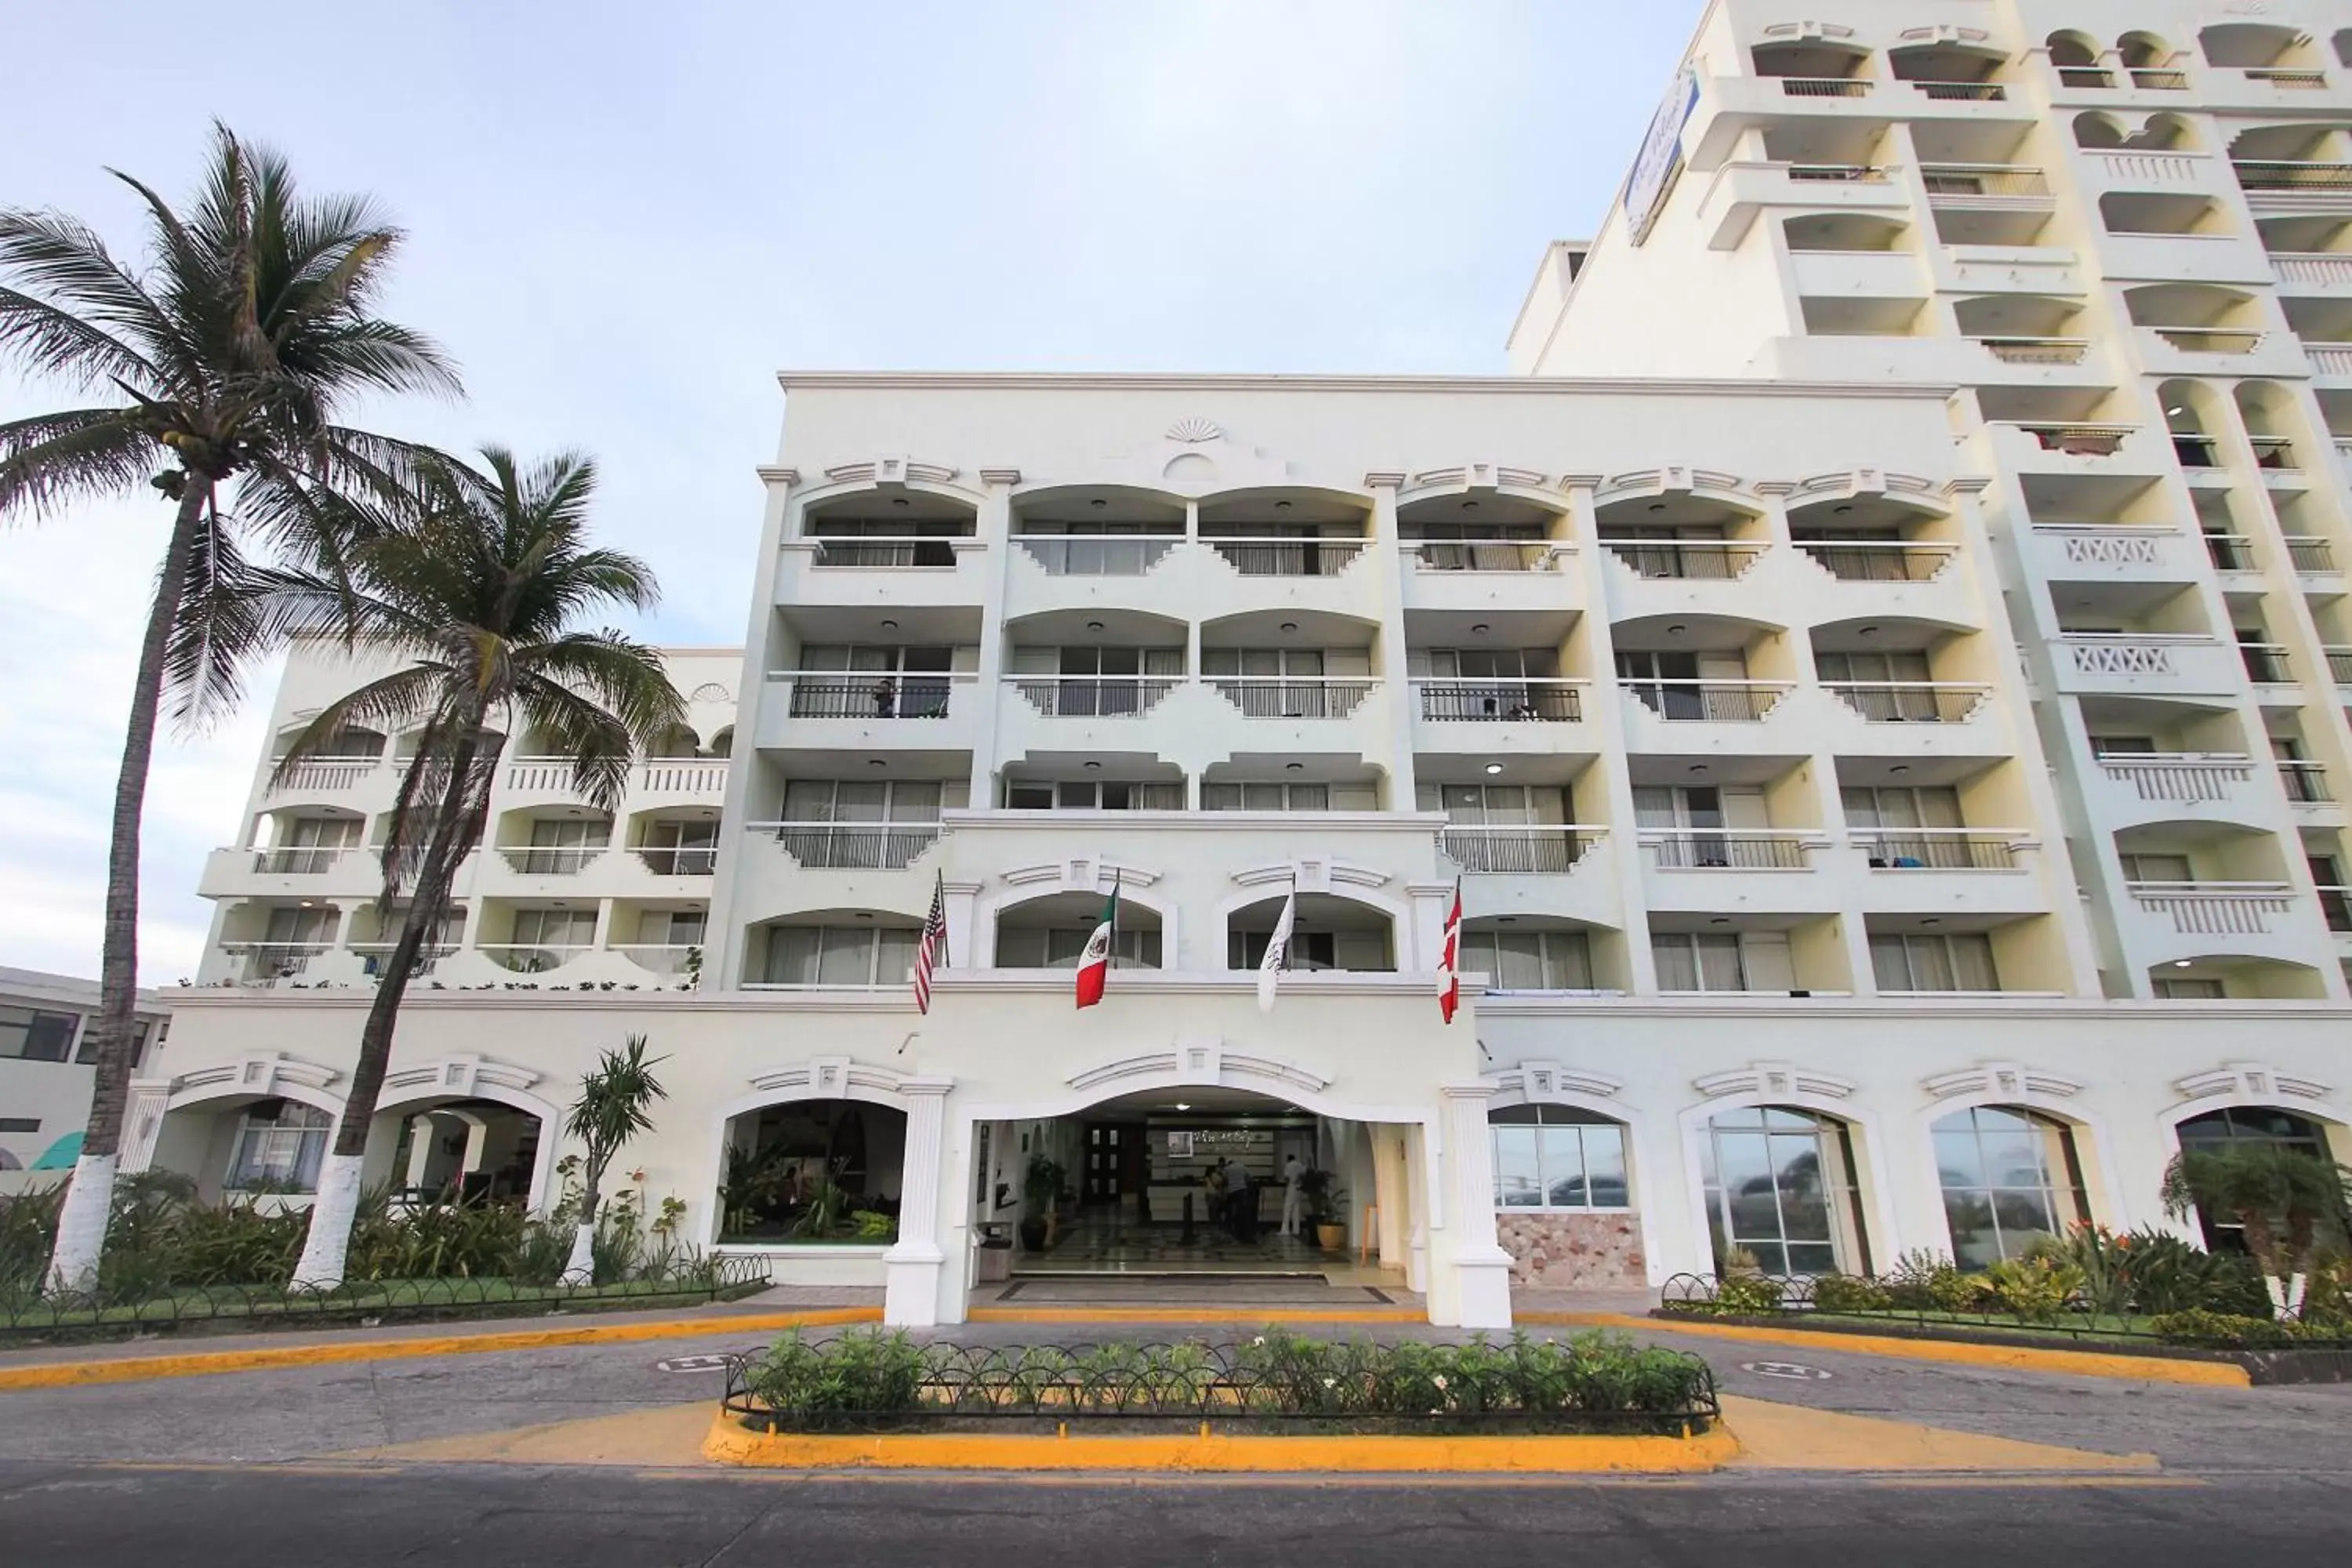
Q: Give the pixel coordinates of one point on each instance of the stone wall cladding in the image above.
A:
(1574, 1251)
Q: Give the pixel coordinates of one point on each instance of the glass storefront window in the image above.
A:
(2009, 1177)
(1558, 1157)
(1780, 1184)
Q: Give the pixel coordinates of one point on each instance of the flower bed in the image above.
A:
(881, 1381)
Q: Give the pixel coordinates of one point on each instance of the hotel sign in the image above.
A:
(1661, 158)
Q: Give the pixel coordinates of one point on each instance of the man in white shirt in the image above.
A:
(1293, 1197)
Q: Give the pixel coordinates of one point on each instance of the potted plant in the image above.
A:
(1041, 1189)
(1325, 1203)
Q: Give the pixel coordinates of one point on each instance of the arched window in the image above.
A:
(279, 1143)
(801, 1171)
(2238, 1125)
(2009, 1177)
(843, 954)
(1558, 1157)
(1781, 1186)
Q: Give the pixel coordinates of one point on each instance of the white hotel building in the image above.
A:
(1872, 667)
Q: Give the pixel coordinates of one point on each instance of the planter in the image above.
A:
(1331, 1237)
(1032, 1236)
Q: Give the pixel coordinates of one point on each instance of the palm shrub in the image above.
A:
(2280, 1196)
(478, 577)
(614, 1105)
(218, 373)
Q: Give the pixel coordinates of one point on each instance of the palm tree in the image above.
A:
(2280, 1195)
(220, 367)
(478, 581)
(614, 1107)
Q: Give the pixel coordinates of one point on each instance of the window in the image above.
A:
(27, 1033)
(87, 1054)
(2155, 867)
(860, 823)
(554, 928)
(859, 955)
(671, 927)
(1266, 797)
(1530, 960)
(681, 848)
(1558, 1157)
(1931, 961)
(1362, 950)
(1780, 1184)
(1060, 947)
(278, 1146)
(1698, 960)
(1088, 794)
(296, 927)
(870, 682)
(20, 1124)
(2247, 1124)
(2010, 1178)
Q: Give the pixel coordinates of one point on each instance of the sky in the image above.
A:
(623, 220)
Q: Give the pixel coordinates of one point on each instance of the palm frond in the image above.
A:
(79, 454)
(223, 623)
(63, 265)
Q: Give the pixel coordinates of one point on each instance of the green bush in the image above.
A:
(872, 1225)
(1748, 1293)
(2035, 1289)
(813, 1385)
(1846, 1293)
(2205, 1328)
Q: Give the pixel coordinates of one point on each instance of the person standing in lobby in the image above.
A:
(1294, 1171)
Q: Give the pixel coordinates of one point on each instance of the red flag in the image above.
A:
(1449, 963)
(1094, 965)
(934, 945)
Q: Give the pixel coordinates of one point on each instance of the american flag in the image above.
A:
(933, 949)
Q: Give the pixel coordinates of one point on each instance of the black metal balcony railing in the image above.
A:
(2197, 451)
(671, 860)
(2310, 553)
(827, 846)
(2273, 451)
(1824, 87)
(2277, 174)
(2336, 904)
(1702, 851)
(2085, 76)
(1936, 849)
(1508, 701)
(1983, 180)
(885, 552)
(1514, 850)
(1095, 696)
(2305, 783)
(1708, 701)
(2160, 80)
(2229, 551)
(1977, 91)
(1706, 559)
(2265, 663)
(1273, 698)
(1289, 557)
(870, 697)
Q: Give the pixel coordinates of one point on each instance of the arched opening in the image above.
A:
(1564, 1205)
(723, 744)
(1681, 535)
(1891, 670)
(2191, 419)
(812, 1173)
(1873, 539)
(676, 741)
(554, 841)
(276, 1147)
(2243, 1126)
(1812, 59)
(677, 840)
(2096, 130)
(1702, 669)
(2143, 51)
(1052, 933)
(2023, 329)
(2197, 318)
(1097, 530)
(1096, 663)
(470, 1150)
(848, 949)
(1945, 64)
(307, 840)
(1328, 933)
(353, 743)
(1482, 531)
(2261, 49)
(2161, 212)
(897, 528)
(2163, 134)
(2234, 977)
(1781, 1188)
(2271, 424)
(2010, 1177)
(1841, 233)
(2070, 48)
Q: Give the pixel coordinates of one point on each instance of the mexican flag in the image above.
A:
(1094, 965)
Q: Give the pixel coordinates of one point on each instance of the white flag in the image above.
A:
(1277, 953)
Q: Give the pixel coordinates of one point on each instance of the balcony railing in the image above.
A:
(1270, 697)
(2036, 351)
(1939, 848)
(549, 861)
(1825, 86)
(2310, 553)
(2305, 783)
(266, 960)
(1970, 91)
(2266, 663)
(2075, 439)
(2229, 551)
(885, 552)
(1484, 554)
(851, 845)
(1948, 180)
(2339, 663)
(2211, 340)
(376, 957)
(1712, 559)
(2158, 79)
(2197, 451)
(1838, 173)
(681, 775)
(833, 696)
(2323, 267)
(528, 958)
(668, 959)
(2125, 652)
(2273, 175)
(1709, 702)
(1911, 702)
(2085, 75)
(1512, 850)
(1093, 696)
(1529, 700)
(2179, 776)
(323, 772)
(1879, 561)
(301, 860)
(2284, 75)
(2336, 904)
(1730, 850)
(675, 860)
(2215, 909)
(2095, 544)
(1289, 557)
(2330, 359)
(1097, 555)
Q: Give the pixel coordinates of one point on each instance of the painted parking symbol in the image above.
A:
(692, 1364)
(1784, 1369)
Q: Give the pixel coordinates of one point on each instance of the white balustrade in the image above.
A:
(2181, 776)
(2215, 909)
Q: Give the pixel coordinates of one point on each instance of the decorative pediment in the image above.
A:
(1944, 33)
(711, 691)
(1476, 477)
(258, 1072)
(1807, 30)
(1206, 1060)
(828, 1077)
(891, 473)
(1547, 1083)
(461, 1076)
(1673, 476)
(1194, 429)
(1863, 482)
(2250, 1081)
(1774, 1077)
(1080, 874)
(2001, 1079)
(1312, 874)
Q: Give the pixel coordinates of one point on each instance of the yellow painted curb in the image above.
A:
(271, 1358)
(2010, 1358)
(1197, 1451)
(1776, 1437)
(1194, 1315)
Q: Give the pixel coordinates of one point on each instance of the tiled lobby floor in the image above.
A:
(1103, 1243)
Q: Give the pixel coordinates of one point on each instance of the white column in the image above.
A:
(912, 1266)
(1481, 1268)
(143, 1123)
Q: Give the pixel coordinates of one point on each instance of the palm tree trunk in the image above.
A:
(326, 1245)
(579, 1269)
(89, 1199)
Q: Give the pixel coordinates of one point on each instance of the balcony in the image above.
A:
(2339, 663)
(1825, 86)
(676, 860)
(1987, 186)
(667, 961)
(1092, 696)
(526, 958)
(2305, 783)
(1911, 701)
(272, 963)
(1097, 555)
(2074, 447)
(831, 708)
(2266, 663)
(851, 845)
(2112, 552)
(376, 957)
(1486, 554)
(2313, 270)
(2214, 908)
(2274, 185)
(1707, 560)
(1961, 91)
(1275, 697)
(535, 861)
(2145, 663)
(2335, 907)
(2036, 269)
(1741, 190)
(2311, 555)
(327, 773)
(1287, 557)
(299, 861)
(686, 778)
(2035, 351)
(2162, 169)
(1908, 849)
(1878, 560)
(1745, 849)
(907, 572)
(1526, 701)
(1706, 702)
(2218, 351)
(2330, 362)
(1488, 575)
(2170, 779)
(1517, 850)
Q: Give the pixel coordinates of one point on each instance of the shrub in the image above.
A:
(1748, 1293)
(2101, 1258)
(1846, 1293)
(2206, 1327)
(2034, 1288)
(865, 1373)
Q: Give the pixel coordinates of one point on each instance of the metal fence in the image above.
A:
(1534, 700)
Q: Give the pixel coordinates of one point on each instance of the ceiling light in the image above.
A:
(2182, 962)
(1720, 920)
(866, 914)
(1842, 510)
(1494, 768)
(874, 763)
(1930, 920)
(1094, 625)
(1182, 1105)
(1676, 630)
(1900, 768)
(1480, 630)
(1098, 503)
(1295, 767)
(2175, 411)
(1507, 920)
(1290, 625)
(1469, 506)
(897, 500)
(1698, 767)
(1094, 764)
(890, 625)
(1657, 505)
(1282, 506)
